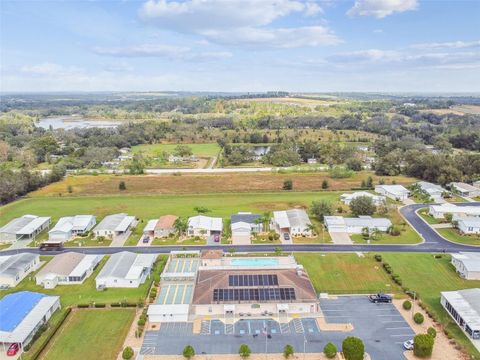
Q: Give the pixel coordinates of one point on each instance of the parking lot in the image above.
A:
(380, 326)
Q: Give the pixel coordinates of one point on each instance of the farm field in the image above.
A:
(203, 183)
(429, 276)
(346, 273)
(201, 150)
(79, 337)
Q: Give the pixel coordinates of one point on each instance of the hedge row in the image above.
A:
(35, 355)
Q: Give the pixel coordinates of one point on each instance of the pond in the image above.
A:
(71, 122)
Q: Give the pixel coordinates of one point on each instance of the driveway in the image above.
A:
(381, 327)
(340, 238)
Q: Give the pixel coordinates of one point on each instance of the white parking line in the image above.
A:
(389, 315)
(397, 328)
(393, 321)
(402, 335)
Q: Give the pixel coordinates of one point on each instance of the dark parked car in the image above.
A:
(286, 236)
(380, 298)
(216, 238)
(146, 239)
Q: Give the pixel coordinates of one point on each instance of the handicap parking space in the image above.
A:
(256, 326)
(217, 327)
(310, 326)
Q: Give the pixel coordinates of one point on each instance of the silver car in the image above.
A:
(408, 345)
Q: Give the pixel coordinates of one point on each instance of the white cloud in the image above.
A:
(47, 68)
(309, 36)
(448, 45)
(381, 8)
(194, 15)
(158, 50)
(406, 59)
(239, 22)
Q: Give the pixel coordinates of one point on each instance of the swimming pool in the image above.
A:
(254, 262)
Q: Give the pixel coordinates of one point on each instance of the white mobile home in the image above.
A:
(356, 225)
(15, 268)
(125, 270)
(467, 265)
(114, 226)
(464, 189)
(435, 191)
(243, 225)
(294, 222)
(22, 314)
(395, 192)
(439, 211)
(68, 227)
(26, 227)
(464, 307)
(376, 199)
(469, 225)
(204, 226)
(67, 269)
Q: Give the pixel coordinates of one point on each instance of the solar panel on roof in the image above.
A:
(253, 280)
(261, 294)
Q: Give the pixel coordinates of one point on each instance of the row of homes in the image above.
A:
(123, 269)
(467, 217)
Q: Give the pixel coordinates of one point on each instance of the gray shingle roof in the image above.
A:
(247, 218)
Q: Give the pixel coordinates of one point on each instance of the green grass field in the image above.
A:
(87, 292)
(429, 219)
(200, 150)
(91, 334)
(345, 273)
(453, 235)
(429, 276)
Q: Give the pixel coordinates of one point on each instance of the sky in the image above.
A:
(240, 45)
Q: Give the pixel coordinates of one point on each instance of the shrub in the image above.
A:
(115, 304)
(432, 332)
(127, 353)
(83, 306)
(418, 318)
(122, 186)
(325, 184)
(407, 305)
(141, 322)
(353, 348)
(100, 305)
(188, 352)
(423, 345)
(244, 351)
(378, 257)
(287, 184)
(330, 350)
(288, 351)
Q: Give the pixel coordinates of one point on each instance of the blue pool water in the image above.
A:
(254, 262)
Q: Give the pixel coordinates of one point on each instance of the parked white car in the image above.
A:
(408, 345)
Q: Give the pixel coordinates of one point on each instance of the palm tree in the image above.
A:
(181, 225)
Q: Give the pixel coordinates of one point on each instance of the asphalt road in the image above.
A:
(432, 243)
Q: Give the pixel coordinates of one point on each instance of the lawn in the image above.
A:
(429, 276)
(453, 235)
(151, 207)
(91, 334)
(345, 273)
(429, 219)
(87, 292)
(176, 241)
(86, 185)
(199, 150)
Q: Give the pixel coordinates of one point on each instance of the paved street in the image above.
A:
(433, 242)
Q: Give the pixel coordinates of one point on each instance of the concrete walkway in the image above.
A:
(442, 226)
